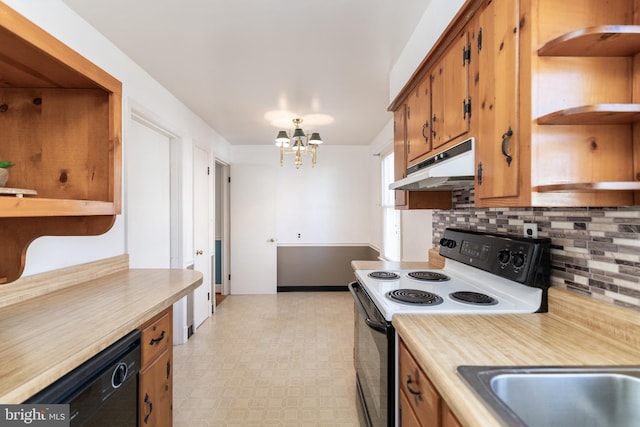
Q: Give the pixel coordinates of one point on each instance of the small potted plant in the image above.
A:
(4, 173)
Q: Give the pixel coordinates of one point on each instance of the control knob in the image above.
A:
(448, 243)
(119, 375)
(504, 256)
(518, 260)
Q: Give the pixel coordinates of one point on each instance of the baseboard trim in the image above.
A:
(328, 288)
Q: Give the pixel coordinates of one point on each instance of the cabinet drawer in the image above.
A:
(156, 337)
(422, 397)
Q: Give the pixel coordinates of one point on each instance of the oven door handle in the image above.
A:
(378, 326)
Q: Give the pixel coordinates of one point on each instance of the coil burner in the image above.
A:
(475, 298)
(385, 275)
(429, 276)
(413, 296)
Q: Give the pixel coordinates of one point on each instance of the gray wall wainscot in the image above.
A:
(319, 267)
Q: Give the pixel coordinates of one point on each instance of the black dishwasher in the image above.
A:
(103, 391)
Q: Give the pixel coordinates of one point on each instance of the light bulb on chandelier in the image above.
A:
(298, 143)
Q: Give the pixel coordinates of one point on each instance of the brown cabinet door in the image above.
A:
(497, 152)
(418, 122)
(422, 396)
(448, 419)
(155, 393)
(449, 94)
(405, 413)
(399, 153)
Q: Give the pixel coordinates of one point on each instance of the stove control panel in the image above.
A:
(516, 258)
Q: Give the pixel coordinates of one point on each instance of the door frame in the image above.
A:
(141, 114)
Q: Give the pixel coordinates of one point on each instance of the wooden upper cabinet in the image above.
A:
(554, 96)
(399, 153)
(418, 123)
(60, 121)
(450, 113)
(497, 154)
(411, 199)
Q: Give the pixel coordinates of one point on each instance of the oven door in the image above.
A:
(374, 361)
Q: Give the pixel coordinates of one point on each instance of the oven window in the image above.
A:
(372, 366)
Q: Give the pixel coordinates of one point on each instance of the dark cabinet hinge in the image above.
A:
(466, 105)
(466, 55)
(480, 40)
(208, 170)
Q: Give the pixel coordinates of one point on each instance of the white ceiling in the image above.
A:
(232, 61)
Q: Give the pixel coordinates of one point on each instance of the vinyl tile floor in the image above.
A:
(269, 360)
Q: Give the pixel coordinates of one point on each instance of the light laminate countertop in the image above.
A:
(440, 343)
(47, 336)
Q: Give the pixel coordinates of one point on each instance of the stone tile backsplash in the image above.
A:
(594, 251)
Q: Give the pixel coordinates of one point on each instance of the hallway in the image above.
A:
(269, 360)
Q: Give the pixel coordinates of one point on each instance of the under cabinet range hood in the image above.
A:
(451, 169)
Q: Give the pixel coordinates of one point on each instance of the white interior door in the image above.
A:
(253, 230)
(148, 205)
(201, 234)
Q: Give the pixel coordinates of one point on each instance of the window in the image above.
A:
(391, 224)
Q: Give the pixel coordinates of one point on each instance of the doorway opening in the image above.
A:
(221, 259)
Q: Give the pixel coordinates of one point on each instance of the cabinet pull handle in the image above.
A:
(157, 340)
(505, 138)
(149, 404)
(168, 368)
(414, 392)
(424, 127)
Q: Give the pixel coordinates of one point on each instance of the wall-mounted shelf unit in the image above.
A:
(60, 121)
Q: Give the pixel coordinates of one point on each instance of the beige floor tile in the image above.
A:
(269, 360)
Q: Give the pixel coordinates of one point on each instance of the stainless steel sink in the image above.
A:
(559, 396)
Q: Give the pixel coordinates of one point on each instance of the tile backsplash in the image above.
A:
(594, 251)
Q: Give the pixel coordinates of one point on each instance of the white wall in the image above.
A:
(140, 91)
(417, 224)
(327, 204)
(434, 21)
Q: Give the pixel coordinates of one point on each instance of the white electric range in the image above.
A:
(457, 288)
(483, 274)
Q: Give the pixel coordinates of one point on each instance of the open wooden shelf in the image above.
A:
(61, 121)
(14, 207)
(589, 187)
(605, 40)
(599, 114)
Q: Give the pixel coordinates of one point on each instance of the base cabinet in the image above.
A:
(420, 404)
(155, 391)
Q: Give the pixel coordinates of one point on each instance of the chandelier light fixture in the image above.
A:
(298, 143)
